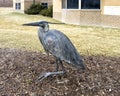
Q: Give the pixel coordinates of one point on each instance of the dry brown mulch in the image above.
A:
(19, 70)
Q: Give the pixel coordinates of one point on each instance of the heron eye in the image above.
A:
(42, 26)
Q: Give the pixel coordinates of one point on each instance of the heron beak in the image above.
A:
(39, 23)
(32, 24)
(55, 23)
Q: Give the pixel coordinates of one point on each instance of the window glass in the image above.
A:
(85, 4)
(45, 5)
(90, 4)
(18, 6)
(72, 4)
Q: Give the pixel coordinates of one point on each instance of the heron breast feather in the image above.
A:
(49, 41)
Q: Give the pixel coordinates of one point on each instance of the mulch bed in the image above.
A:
(19, 70)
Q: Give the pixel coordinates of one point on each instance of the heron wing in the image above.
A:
(59, 45)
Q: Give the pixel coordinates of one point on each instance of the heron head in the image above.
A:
(42, 24)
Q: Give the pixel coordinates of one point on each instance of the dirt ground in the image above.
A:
(19, 70)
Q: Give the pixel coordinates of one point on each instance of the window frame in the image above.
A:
(64, 2)
(44, 4)
(72, 5)
(65, 5)
(91, 7)
(18, 6)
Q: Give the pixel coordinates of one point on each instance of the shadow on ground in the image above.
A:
(19, 70)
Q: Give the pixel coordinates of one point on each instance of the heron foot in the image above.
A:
(47, 74)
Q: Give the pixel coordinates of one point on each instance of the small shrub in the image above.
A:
(47, 12)
(34, 9)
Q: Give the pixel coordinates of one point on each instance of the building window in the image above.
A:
(45, 5)
(17, 6)
(90, 4)
(81, 4)
(70, 4)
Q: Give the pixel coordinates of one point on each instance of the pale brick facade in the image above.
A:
(6, 3)
(107, 15)
(25, 4)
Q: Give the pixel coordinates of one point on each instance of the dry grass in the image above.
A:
(88, 40)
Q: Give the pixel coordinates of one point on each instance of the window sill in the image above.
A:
(83, 9)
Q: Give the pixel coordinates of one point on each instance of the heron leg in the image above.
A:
(63, 68)
(47, 74)
(58, 61)
(57, 64)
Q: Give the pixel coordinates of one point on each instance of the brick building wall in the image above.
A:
(110, 21)
(81, 17)
(25, 4)
(102, 17)
(57, 9)
(6, 3)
